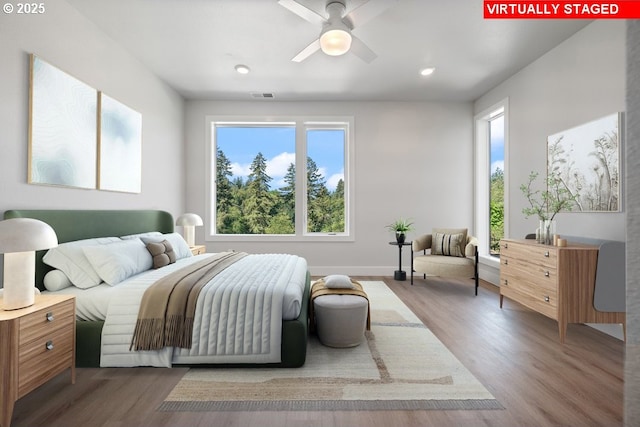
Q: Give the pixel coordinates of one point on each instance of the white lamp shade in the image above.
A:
(335, 41)
(189, 221)
(26, 234)
(19, 239)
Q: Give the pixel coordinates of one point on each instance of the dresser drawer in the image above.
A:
(534, 289)
(46, 321)
(43, 358)
(535, 302)
(536, 254)
(539, 276)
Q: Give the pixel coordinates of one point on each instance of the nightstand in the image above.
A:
(198, 249)
(38, 343)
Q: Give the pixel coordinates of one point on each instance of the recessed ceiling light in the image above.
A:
(242, 69)
(427, 71)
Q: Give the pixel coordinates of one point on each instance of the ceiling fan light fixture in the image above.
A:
(335, 41)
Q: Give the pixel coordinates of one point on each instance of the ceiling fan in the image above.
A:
(336, 36)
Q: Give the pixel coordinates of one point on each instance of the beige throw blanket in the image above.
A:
(167, 309)
(319, 289)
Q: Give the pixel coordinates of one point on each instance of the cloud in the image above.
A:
(277, 166)
(497, 164)
(332, 181)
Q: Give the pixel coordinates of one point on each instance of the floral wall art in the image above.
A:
(586, 161)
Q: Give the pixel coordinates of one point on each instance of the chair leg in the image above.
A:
(476, 271)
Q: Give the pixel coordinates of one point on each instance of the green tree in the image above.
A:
(496, 210)
(316, 193)
(257, 207)
(224, 196)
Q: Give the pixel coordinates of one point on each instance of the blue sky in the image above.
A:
(277, 145)
(497, 144)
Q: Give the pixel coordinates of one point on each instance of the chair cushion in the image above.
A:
(444, 266)
(448, 244)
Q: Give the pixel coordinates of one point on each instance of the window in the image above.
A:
(490, 201)
(285, 179)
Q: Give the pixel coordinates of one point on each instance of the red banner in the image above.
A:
(498, 9)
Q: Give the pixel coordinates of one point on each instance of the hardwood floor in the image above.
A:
(513, 351)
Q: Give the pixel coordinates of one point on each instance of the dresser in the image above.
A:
(558, 282)
(36, 344)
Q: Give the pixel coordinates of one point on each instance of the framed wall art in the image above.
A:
(62, 128)
(120, 145)
(586, 161)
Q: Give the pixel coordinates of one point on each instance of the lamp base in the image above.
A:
(19, 274)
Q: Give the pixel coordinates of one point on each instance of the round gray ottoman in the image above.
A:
(340, 319)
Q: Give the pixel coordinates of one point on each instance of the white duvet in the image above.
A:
(238, 315)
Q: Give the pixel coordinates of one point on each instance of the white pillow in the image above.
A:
(180, 246)
(117, 261)
(70, 259)
(141, 235)
(338, 281)
(56, 280)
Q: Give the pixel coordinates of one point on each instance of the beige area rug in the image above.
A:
(400, 366)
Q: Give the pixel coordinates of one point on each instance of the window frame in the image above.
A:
(482, 145)
(301, 124)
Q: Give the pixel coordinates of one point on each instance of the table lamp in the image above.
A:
(19, 239)
(189, 221)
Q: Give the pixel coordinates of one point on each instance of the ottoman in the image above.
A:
(340, 319)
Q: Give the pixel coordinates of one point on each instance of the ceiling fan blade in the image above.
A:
(361, 50)
(307, 51)
(302, 11)
(367, 11)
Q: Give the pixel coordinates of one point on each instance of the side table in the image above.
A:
(399, 274)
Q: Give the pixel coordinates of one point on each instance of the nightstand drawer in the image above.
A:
(46, 321)
(44, 358)
(198, 249)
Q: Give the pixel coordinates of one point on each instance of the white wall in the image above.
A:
(411, 160)
(580, 80)
(65, 39)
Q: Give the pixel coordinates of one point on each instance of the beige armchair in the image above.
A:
(452, 253)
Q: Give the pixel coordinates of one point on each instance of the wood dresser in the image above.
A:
(36, 344)
(558, 282)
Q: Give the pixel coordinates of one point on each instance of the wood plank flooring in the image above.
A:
(513, 351)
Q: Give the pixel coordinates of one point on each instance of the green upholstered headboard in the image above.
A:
(72, 225)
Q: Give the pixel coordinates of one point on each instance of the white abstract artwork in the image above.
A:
(62, 128)
(586, 161)
(120, 147)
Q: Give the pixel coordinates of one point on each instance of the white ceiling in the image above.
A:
(194, 46)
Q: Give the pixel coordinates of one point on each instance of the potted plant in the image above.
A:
(546, 204)
(400, 227)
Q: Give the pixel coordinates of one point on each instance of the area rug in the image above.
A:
(400, 366)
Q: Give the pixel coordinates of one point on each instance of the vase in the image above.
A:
(400, 237)
(547, 230)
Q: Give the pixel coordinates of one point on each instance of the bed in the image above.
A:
(72, 225)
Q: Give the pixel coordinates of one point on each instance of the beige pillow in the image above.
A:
(162, 253)
(448, 244)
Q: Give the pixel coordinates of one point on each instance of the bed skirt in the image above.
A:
(293, 347)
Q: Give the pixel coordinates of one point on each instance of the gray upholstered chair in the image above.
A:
(452, 253)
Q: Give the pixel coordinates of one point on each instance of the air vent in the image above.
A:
(262, 95)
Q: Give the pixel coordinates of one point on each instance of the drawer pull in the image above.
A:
(506, 282)
(50, 317)
(506, 262)
(546, 274)
(506, 246)
(546, 298)
(546, 254)
(49, 345)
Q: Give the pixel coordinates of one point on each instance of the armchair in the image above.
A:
(452, 253)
